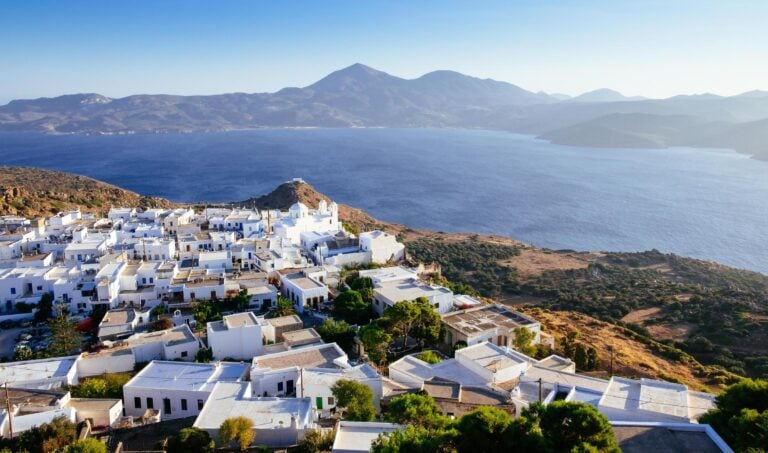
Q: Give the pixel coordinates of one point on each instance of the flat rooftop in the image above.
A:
(31, 371)
(408, 290)
(164, 375)
(240, 320)
(492, 357)
(477, 320)
(283, 321)
(662, 439)
(229, 400)
(302, 337)
(320, 356)
(302, 281)
(357, 437)
(384, 274)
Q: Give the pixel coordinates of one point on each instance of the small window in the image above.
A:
(331, 401)
(13, 290)
(150, 403)
(39, 288)
(279, 386)
(200, 404)
(137, 402)
(184, 353)
(183, 404)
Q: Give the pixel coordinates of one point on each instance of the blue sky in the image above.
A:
(117, 48)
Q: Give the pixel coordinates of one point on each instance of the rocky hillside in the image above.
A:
(35, 192)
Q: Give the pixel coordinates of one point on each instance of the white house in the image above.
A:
(43, 374)
(279, 374)
(277, 422)
(302, 288)
(382, 246)
(122, 322)
(491, 322)
(239, 336)
(177, 389)
(389, 293)
(215, 260)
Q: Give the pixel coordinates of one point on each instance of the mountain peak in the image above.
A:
(601, 95)
(358, 74)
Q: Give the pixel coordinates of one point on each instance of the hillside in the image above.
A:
(35, 192)
(666, 315)
(360, 96)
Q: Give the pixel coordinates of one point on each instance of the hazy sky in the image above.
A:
(117, 48)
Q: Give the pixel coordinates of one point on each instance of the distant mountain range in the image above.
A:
(360, 96)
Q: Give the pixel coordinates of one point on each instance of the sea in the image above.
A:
(704, 203)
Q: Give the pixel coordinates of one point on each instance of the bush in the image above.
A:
(88, 445)
(429, 357)
(238, 430)
(191, 440)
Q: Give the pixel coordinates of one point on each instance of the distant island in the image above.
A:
(360, 96)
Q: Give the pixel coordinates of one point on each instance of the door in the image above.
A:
(319, 402)
(167, 406)
(289, 387)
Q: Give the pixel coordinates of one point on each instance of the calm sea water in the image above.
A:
(710, 204)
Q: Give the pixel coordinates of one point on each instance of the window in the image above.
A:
(39, 288)
(279, 386)
(152, 279)
(143, 280)
(184, 354)
(13, 290)
(183, 404)
(137, 402)
(150, 403)
(331, 401)
(200, 404)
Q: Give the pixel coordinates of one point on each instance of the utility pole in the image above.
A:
(539, 381)
(8, 409)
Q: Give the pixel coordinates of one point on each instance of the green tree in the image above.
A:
(376, 341)
(402, 317)
(580, 357)
(413, 439)
(415, 408)
(484, 429)
(569, 343)
(523, 340)
(351, 307)
(92, 388)
(65, 339)
(241, 301)
(284, 307)
(44, 308)
(593, 359)
(741, 415)
(203, 355)
(48, 437)
(428, 325)
(355, 399)
(88, 445)
(192, 440)
(238, 430)
(338, 332)
(568, 426)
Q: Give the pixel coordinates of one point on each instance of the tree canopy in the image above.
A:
(741, 415)
(238, 430)
(355, 399)
(351, 307)
(191, 440)
(52, 436)
(414, 408)
(339, 332)
(88, 445)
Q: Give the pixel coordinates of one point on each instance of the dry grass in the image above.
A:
(631, 357)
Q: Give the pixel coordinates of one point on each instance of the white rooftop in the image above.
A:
(232, 399)
(19, 374)
(387, 274)
(202, 377)
(354, 437)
